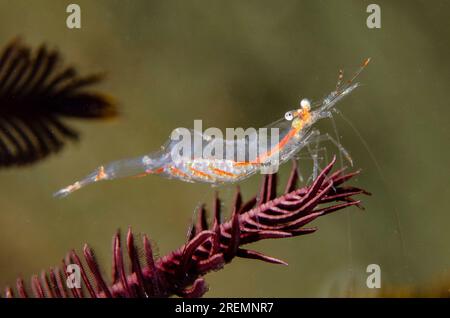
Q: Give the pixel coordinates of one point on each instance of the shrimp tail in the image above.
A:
(91, 178)
(135, 167)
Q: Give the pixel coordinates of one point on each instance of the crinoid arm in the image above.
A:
(210, 247)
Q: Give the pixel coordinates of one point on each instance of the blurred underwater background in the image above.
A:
(244, 64)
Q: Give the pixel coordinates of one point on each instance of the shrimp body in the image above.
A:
(295, 132)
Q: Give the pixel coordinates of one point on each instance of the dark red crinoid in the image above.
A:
(181, 272)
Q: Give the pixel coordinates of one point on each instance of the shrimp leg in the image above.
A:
(326, 137)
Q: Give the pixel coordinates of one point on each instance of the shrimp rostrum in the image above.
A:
(295, 131)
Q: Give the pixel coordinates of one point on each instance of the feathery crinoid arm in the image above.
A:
(36, 92)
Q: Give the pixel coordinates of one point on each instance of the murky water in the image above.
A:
(244, 63)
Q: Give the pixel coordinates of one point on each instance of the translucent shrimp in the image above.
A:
(295, 132)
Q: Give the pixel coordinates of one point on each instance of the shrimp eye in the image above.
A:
(305, 104)
(289, 116)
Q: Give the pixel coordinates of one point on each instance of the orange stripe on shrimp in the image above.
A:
(302, 117)
(222, 173)
(200, 173)
(177, 172)
(269, 153)
(149, 171)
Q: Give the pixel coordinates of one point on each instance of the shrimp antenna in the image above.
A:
(362, 67)
(340, 78)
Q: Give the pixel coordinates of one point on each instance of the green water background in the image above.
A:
(242, 64)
